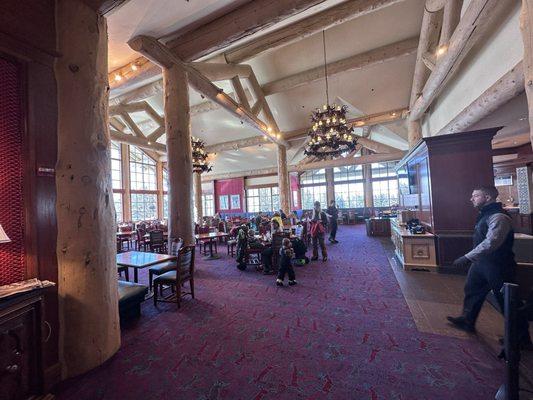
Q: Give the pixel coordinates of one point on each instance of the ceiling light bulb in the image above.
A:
(134, 67)
(118, 77)
(269, 129)
(441, 50)
(325, 107)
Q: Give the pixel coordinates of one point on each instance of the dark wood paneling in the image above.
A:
(30, 22)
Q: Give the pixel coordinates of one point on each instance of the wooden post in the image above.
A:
(126, 182)
(159, 185)
(367, 185)
(526, 21)
(283, 180)
(179, 153)
(198, 197)
(86, 249)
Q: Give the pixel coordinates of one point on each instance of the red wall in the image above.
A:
(12, 255)
(229, 187)
(295, 185)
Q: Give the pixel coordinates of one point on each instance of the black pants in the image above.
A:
(333, 232)
(480, 281)
(284, 269)
(266, 257)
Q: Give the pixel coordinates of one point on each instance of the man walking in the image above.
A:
(333, 214)
(492, 258)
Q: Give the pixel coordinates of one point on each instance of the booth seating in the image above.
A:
(130, 297)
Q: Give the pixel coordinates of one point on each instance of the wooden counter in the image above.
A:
(414, 251)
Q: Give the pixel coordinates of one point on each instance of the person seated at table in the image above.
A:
(285, 264)
(277, 217)
(242, 245)
(253, 241)
(258, 220)
(276, 225)
(299, 230)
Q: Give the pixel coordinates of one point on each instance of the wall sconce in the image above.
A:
(3, 236)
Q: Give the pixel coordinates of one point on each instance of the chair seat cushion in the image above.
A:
(163, 267)
(129, 292)
(170, 277)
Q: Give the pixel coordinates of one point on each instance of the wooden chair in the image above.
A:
(157, 242)
(231, 243)
(162, 268)
(176, 278)
(142, 243)
(205, 242)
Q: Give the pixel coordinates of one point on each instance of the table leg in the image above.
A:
(211, 256)
(135, 275)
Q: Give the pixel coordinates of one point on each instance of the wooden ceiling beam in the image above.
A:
(160, 54)
(342, 162)
(236, 25)
(474, 23)
(367, 120)
(358, 61)
(236, 144)
(140, 142)
(308, 26)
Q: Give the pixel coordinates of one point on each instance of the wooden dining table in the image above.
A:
(141, 259)
(211, 237)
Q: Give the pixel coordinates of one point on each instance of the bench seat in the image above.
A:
(130, 297)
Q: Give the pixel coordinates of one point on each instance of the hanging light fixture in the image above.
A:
(199, 156)
(329, 135)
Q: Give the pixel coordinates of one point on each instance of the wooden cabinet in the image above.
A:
(415, 252)
(436, 179)
(21, 372)
(378, 227)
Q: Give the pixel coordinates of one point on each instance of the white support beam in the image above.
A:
(367, 120)
(236, 144)
(507, 87)
(526, 27)
(324, 20)
(143, 143)
(358, 61)
(246, 20)
(366, 159)
(159, 53)
(474, 23)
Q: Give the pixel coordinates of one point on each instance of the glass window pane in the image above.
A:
(117, 199)
(142, 170)
(208, 205)
(143, 206)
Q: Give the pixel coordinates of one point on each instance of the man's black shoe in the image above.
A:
(462, 323)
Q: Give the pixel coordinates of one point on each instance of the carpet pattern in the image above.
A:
(344, 332)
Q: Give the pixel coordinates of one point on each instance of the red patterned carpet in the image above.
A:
(344, 332)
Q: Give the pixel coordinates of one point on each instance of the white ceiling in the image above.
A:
(371, 90)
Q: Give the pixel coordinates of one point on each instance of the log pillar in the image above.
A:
(526, 21)
(179, 153)
(283, 180)
(367, 184)
(86, 244)
(198, 197)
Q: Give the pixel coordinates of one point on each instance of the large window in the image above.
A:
(142, 170)
(165, 194)
(384, 185)
(313, 188)
(350, 195)
(262, 199)
(313, 177)
(116, 179)
(117, 199)
(208, 205)
(143, 206)
(143, 177)
(349, 187)
(310, 194)
(349, 173)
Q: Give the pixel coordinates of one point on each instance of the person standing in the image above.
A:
(333, 214)
(492, 259)
(285, 265)
(318, 223)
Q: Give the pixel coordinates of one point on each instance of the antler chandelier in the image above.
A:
(199, 156)
(329, 136)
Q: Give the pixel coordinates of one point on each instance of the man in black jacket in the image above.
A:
(492, 258)
(333, 214)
